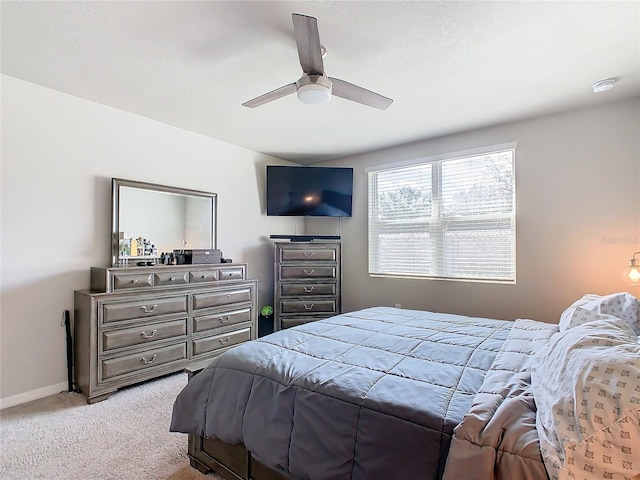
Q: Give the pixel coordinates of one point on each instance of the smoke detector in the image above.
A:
(603, 85)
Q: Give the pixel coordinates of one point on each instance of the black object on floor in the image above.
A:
(265, 325)
(67, 325)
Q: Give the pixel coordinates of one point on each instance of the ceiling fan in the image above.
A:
(315, 86)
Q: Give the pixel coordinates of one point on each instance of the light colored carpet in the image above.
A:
(125, 437)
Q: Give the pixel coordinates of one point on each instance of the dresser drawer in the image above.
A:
(170, 278)
(304, 290)
(210, 344)
(308, 306)
(114, 312)
(289, 272)
(231, 274)
(292, 321)
(208, 322)
(127, 337)
(199, 276)
(151, 358)
(308, 253)
(132, 280)
(217, 299)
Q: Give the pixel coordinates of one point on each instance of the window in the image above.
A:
(449, 218)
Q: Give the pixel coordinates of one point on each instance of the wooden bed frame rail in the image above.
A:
(233, 462)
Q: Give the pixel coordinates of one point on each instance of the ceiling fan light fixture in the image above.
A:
(314, 94)
(314, 89)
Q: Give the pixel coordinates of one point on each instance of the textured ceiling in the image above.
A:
(449, 66)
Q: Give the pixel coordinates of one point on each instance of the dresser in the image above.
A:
(307, 282)
(138, 323)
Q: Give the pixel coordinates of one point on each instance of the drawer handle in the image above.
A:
(148, 335)
(224, 341)
(308, 272)
(308, 289)
(309, 254)
(224, 319)
(146, 309)
(203, 276)
(134, 281)
(309, 307)
(172, 279)
(148, 361)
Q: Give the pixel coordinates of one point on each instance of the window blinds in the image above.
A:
(451, 218)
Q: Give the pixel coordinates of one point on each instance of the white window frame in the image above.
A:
(437, 225)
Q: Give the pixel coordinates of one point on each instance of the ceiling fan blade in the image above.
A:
(358, 94)
(271, 96)
(305, 29)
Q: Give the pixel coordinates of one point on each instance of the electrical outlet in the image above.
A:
(398, 305)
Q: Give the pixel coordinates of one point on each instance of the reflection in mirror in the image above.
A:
(150, 219)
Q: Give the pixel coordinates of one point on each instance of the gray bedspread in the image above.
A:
(497, 439)
(373, 394)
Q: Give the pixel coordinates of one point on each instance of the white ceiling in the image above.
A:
(448, 65)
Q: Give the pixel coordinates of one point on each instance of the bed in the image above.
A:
(387, 393)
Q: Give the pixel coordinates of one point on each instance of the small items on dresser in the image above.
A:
(197, 256)
(145, 253)
(138, 249)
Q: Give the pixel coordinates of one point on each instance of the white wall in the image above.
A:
(578, 217)
(59, 154)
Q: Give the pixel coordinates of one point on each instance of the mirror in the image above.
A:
(149, 219)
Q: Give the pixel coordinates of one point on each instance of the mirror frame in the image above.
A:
(117, 183)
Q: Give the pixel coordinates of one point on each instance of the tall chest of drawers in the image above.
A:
(138, 323)
(307, 282)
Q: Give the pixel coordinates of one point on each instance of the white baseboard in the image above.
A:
(33, 395)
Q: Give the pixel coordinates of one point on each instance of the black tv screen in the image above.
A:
(309, 191)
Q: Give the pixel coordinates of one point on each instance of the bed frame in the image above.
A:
(233, 462)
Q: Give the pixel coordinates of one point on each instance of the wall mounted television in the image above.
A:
(309, 191)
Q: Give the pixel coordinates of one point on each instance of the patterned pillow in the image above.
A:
(586, 383)
(582, 315)
(622, 305)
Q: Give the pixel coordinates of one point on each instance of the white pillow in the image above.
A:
(586, 384)
(622, 305)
